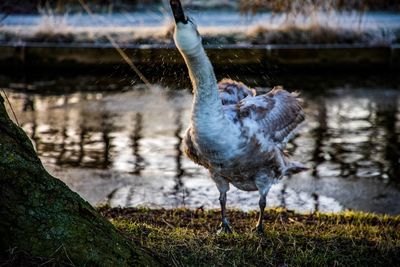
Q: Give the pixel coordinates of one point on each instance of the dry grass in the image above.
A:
(57, 31)
(315, 34)
(306, 22)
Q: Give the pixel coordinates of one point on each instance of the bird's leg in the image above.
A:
(223, 187)
(262, 203)
(224, 227)
(263, 184)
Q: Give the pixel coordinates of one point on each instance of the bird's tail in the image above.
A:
(291, 167)
(294, 167)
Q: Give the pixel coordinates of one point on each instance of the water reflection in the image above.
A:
(125, 148)
(179, 189)
(138, 163)
(356, 135)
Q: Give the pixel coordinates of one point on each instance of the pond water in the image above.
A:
(119, 143)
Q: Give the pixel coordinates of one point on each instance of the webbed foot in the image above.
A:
(259, 229)
(224, 228)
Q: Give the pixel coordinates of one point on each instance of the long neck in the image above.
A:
(207, 106)
(213, 134)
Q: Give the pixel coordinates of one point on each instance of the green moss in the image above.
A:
(187, 237)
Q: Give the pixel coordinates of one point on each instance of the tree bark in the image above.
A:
(41, 216)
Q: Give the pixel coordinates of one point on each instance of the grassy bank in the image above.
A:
(52, 31)
(187, 237)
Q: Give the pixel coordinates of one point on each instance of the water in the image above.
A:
(119, 143)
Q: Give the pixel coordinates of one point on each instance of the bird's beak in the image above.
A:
(177, 10)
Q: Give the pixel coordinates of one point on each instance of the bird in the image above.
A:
(239, 136)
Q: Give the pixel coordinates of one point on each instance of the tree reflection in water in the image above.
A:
(138, 163)
(351, 142)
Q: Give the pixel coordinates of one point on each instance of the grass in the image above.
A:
(187, 237)
(317, 34)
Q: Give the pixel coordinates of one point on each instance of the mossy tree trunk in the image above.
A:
(41, 216)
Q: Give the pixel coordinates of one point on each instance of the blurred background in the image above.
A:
(114, 140)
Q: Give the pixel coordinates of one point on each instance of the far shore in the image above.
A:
(255, 58)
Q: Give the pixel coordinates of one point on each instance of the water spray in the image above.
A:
(11, 107)
(118, 48)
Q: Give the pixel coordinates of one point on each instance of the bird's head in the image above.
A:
(186, 36)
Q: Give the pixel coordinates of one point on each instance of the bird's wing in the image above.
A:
(232, 92)
(270, 119)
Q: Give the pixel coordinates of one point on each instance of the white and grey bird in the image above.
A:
(237, 135)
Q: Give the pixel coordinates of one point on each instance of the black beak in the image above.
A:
(177, 10)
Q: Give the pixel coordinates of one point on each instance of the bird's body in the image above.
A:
(238, 136)
(265, 123)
